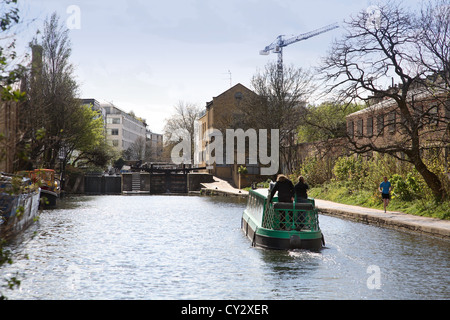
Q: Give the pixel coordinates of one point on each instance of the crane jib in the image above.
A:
(283, 43)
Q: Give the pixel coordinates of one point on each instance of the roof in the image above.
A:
(210, 103)
(416, 94)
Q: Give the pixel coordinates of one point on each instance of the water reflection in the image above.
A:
(184, 247)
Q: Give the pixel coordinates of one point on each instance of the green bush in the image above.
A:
(355, 180)
(406, 189)
(344, 168)
(316, 171)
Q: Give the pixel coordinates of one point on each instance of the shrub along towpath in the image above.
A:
(390, 219)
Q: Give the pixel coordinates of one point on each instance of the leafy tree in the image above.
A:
(87, 139)
(52, 96)
(325, 121)
(10, 73)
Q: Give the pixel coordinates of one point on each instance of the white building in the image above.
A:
(123, 129)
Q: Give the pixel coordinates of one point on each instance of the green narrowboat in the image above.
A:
(281, 225)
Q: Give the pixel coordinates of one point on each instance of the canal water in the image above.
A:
(191, 247)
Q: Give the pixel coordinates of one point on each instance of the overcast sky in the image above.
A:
(145, 56)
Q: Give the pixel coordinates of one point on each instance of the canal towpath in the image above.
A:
(222, 187)
(390, 219)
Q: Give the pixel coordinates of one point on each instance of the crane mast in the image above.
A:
(280, 42)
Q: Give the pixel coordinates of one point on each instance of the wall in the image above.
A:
(195, 180)
(97, 184)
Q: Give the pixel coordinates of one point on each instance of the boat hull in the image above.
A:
(17, 212)
(279, 225)
(49, 198)
(281, 240)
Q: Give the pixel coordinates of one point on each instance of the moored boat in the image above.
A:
(19, 204)
(48, 183)
(281, 225)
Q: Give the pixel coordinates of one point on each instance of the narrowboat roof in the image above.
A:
(263, 192)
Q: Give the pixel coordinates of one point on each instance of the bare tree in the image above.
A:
(279, 104)
(433, 25)
(181, 125)
(136, 151)
(388, 46)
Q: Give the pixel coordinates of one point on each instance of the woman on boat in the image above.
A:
(285, 189)
(301, 190)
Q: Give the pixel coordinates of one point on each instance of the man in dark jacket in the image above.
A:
(285, 189)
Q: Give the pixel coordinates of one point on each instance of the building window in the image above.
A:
(113, 120)
(391, 121)
(113, 132)
(403, 124)
(350, 129)
(359, 128)
(380, 124)
(447, 110)
(447, 158)
(115, 143)
(434, 115)
(369, 128)
(417, 112)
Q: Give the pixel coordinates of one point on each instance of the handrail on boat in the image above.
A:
(274, 215)
(291, 216)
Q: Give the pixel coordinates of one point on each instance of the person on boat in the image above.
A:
(301, 190)
(285, 189)
(385, 189)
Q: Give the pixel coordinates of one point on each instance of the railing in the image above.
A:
(291, 216)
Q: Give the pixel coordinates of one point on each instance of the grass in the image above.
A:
(371, 199)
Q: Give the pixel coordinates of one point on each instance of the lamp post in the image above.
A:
(62, 166)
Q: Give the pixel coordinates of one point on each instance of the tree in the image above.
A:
(324, 122)
(278, 104)
(433, 50)
(87, 138)
(181, 125)
(52, 96)
(10, 72)
(136, 151)
(394, 46)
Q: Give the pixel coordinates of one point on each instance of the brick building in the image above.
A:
(382, 125)
(221, 113)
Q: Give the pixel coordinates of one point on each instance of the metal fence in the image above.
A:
(288, 216)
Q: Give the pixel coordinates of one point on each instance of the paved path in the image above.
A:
(390, 219)
(223, 187)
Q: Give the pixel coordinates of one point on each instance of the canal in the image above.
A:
(191, 247)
